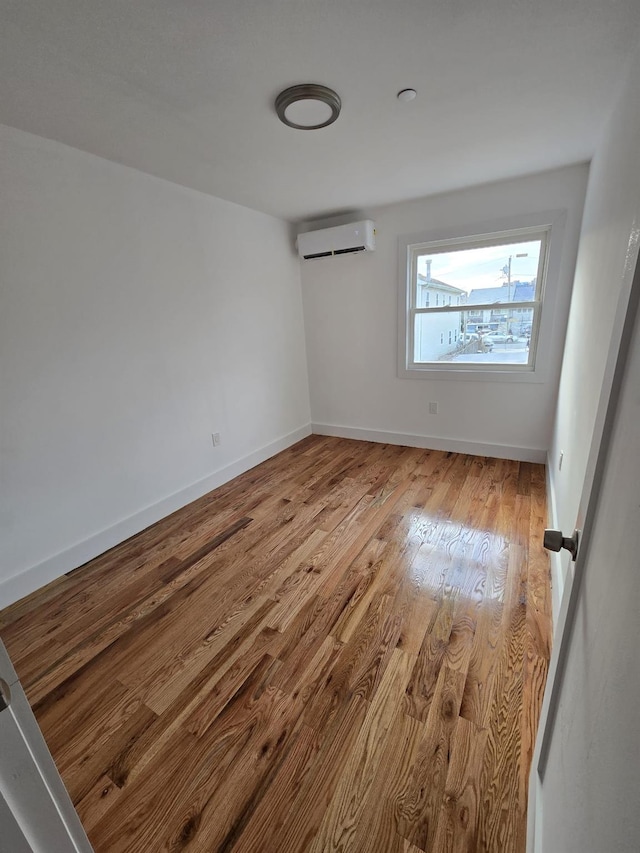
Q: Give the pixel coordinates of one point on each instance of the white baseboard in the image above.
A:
(14, 588)
(475, 448)
(557, 575)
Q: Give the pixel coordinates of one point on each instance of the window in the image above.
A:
(492, 286)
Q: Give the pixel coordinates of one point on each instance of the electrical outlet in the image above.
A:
(561, 457)
(215, 438)
(433, 407)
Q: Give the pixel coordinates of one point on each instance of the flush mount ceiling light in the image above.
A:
(308, 106)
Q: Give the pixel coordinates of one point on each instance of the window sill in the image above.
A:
(460, 374)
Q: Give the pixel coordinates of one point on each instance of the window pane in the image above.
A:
(458, 337)
(497, 275)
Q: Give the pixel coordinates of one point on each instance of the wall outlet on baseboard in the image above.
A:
(215, 438)
(433, 407)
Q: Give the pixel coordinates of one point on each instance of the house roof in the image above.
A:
(186, 91)
(489, 295)
(524, 291)
(518, 291)
(436, 284)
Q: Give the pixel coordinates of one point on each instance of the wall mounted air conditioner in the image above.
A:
(341, 240)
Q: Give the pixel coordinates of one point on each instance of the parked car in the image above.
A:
(499, 338)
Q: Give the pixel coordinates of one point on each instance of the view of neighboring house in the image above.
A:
(516, 321)
(437, 335)
(522, 318)
(443, 335)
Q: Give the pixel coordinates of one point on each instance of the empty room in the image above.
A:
(319, 443)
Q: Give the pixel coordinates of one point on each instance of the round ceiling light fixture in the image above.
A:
(308, 106)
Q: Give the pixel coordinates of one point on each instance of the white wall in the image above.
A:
(608, 247)
(136, 318)
(350, 308)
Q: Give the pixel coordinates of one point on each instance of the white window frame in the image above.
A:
(550, 225)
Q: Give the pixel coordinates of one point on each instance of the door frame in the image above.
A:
(624, 324)
(34, 803)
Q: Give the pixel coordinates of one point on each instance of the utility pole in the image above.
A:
(506, 269)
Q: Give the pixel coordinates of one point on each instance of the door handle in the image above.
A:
(555, 541)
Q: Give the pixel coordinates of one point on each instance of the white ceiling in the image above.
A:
(184, 89)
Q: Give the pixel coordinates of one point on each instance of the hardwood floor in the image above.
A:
(344, 649)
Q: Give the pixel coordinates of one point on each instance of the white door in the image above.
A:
(36, 813)
(585, 777)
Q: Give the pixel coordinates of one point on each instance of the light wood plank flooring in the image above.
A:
(344, 649)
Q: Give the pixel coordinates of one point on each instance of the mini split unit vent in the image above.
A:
(343, 240)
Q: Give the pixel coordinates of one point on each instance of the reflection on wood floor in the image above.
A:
(343, 649)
